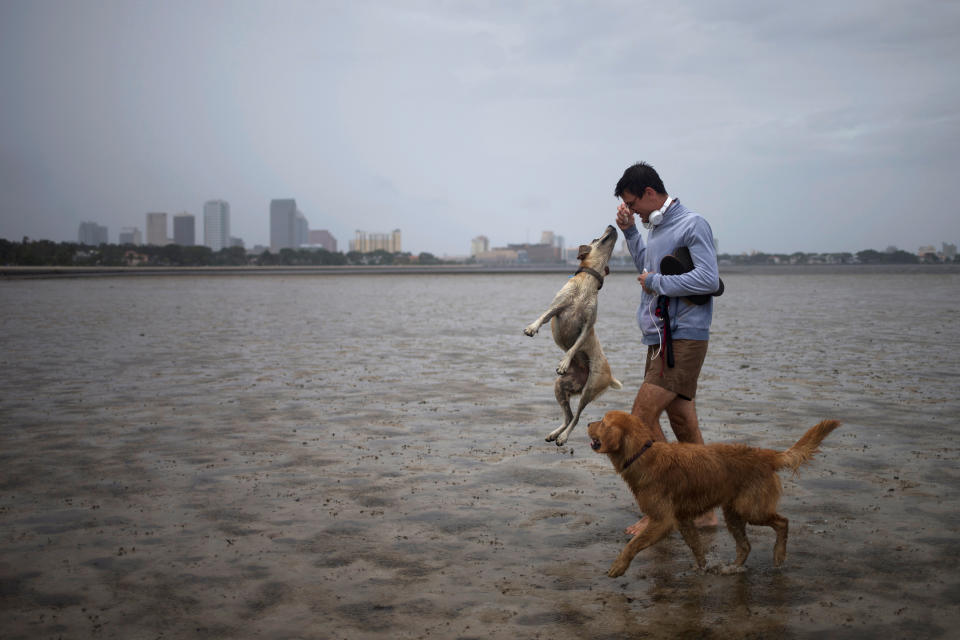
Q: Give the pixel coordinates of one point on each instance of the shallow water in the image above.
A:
(363, 457)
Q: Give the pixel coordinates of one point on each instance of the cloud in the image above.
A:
(453, 120)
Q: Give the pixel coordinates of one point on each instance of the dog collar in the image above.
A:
(646, 446)
(594, 273)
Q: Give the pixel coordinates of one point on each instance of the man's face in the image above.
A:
(641, 204)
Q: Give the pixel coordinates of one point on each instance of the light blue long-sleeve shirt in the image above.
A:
(680, 228)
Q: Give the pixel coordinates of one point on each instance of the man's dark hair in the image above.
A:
(637, 178)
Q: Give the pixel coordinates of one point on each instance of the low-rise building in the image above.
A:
(498, 257)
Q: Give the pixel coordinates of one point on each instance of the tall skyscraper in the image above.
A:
(302, 231)
(131, 235)
(184, 229)
(216, 224)
(92, 233)
(283, 224)
(480, 244)
(157, 229)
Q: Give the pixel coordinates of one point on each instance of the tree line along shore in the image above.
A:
(38, 253)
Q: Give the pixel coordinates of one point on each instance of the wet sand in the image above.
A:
(363, 457)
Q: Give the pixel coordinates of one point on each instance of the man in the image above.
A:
(671, 225)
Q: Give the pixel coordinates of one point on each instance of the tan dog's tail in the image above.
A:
(806, 446)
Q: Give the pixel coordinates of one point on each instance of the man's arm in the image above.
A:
(632, 235)
(636, 246)
(705, 276)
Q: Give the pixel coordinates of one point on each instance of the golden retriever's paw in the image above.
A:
(617, 569)
(563, 366)
(531, 330)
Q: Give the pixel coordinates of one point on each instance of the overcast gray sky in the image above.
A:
(814, 126)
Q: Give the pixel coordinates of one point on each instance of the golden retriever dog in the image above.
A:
(674, 482)
(584, 369)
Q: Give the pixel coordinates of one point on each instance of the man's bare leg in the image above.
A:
(649, 403)
(686, 426)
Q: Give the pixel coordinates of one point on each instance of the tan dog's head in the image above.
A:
(597, 254)
(606, 436)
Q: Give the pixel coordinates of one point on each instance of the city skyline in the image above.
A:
(303, 231)
(384, 250)
(302, 236)
(365, 242)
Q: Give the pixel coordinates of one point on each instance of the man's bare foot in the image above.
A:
(708, 519)
(638, 526)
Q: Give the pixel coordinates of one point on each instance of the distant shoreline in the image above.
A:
(21, 272)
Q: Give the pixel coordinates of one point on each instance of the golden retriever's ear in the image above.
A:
(612, 437)
(584, 251)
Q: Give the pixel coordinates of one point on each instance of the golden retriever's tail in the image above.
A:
(806, 446)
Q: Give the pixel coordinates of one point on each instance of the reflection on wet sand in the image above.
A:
(323, 457)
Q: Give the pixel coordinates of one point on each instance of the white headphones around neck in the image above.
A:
(657, 216)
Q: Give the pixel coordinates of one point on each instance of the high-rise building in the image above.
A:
(157, 229)
(92, 233)
(216, 224)
(323, 238)
(131, 235)
(184, 229)
(302, 230)
(283, 224)
(480, 244)
(365, 242)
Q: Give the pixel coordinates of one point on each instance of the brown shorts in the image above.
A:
(688, 357)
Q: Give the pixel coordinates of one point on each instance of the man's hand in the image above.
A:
(643, 283)
(624, 217)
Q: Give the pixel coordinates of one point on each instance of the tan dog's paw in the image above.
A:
(531, 330)
(563, 366)
(618, 568)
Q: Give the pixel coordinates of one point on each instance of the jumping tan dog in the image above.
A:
(584, 369)
(675, 482)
